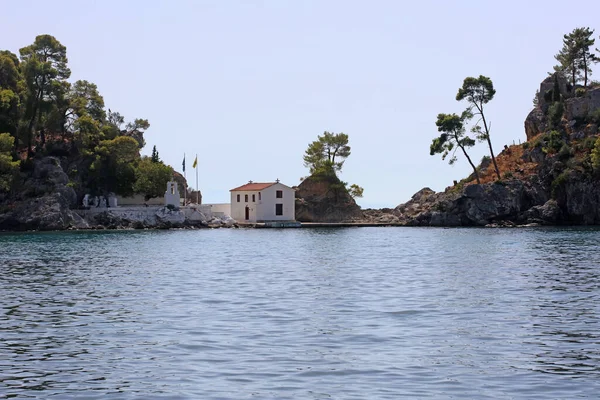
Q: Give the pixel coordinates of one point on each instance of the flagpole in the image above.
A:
(185, 179)
(197, 190)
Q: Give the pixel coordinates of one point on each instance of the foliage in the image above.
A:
(355, 191)
(452, 129)
(580, 92)
(45, 72)
(8, 167)
(478, 92)
(594, 116)
(596, 155)
(553, 142)
(575, 57)
(559, 182)
(113, 169)
(155, 158)
(43, 111)
(555, 113)
(152, 177)
(10, 101)
(566, 152)
(321, 155)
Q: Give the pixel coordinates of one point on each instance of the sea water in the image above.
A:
(353, 313)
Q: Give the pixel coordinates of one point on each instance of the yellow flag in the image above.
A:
(195, 162)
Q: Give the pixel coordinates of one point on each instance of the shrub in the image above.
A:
(554, 142)
(594, 116)
(580, 92)
(596, 155)
(565, 152)
(508, 175)
(555, 113)
(526, 145)
(559, 182)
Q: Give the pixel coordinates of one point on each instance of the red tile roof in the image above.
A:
(255, 186)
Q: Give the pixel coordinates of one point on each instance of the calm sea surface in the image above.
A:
(358, 313)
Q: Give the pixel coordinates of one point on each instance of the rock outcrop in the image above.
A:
(324, 198)
(45, 201)
(549, 179)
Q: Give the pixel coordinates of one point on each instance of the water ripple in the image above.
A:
(373, 313)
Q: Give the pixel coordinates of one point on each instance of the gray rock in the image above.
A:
(581, 107)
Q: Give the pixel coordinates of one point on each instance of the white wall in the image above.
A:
(138, 200)
(220, 209)
(269, 200)
(238, 210)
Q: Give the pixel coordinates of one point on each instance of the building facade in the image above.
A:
(260, 202)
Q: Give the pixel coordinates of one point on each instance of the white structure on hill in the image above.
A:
(260, 202)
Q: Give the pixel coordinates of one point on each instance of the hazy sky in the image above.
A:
(248, 84)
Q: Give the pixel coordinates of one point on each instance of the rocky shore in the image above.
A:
(47, 202)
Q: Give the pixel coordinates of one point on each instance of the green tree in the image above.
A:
(8, 167)
(136, 130)
(155, 158)
(576, 57)
(152, 177)
(10, 79)
(452, 129)
(355, 190)
(478, 92)
(327, 153)
(44, 66)
(113, 169)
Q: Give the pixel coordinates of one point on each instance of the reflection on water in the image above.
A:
(341, 313)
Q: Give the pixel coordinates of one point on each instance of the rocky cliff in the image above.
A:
(550, 179)
(324, 198)
(45, 201)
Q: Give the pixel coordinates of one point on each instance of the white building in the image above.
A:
(259, 202)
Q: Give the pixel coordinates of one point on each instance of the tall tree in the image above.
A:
(478, 92)
(155, 158)
(576, 57)
(8, 167)
(566, 57)
(327, 153)
(452, 128)
(136, 130)
(10, 77)
(152, 178)
(44, 65)
(113, 170)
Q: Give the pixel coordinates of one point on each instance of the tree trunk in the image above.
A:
(471, 162)
(487, 136)
(584, 71)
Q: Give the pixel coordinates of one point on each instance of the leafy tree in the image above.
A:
(355, 191)
(155, 158)
(152, 177)
(136, 130)
(575, 57)
(10, 78)
(113, 169)
(452, 128)
(8, 167)
(44, 65)
(327, 153)
(478, 92)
